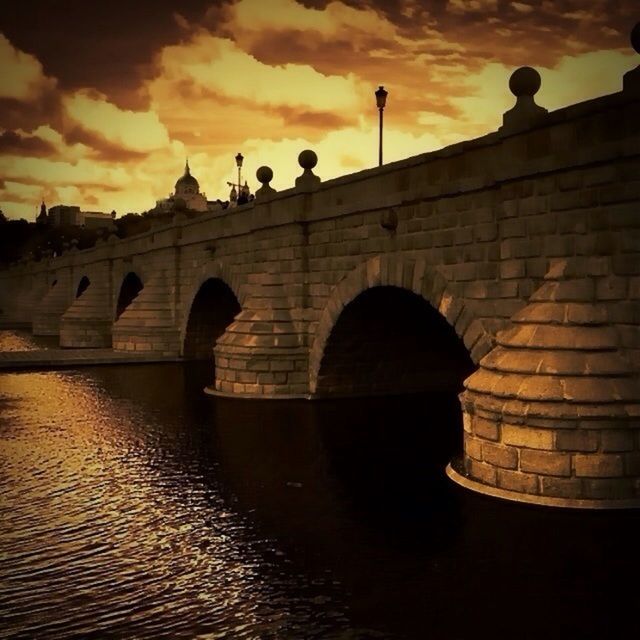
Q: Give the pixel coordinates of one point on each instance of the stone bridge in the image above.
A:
(510, 262)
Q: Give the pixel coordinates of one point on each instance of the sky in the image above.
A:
(101, 103)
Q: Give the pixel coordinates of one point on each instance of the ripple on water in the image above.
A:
(106, 533)
(134, 506)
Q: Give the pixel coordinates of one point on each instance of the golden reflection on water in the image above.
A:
(95, 508)
(134, 506)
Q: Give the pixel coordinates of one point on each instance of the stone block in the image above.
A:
(561, 487)
(481, 471)
(608, 489)
(517, 481)
(617, 440)
(564, 201)
(512, 228)
(545, 462)
(528, 437)
(626, 264)
(576, 440)
(632, 463)
(472, 447)
(486, 270)
(599, 176)
(612, 288)
(485, 232)
(598, 465)
(500, 456)
(282, 365)
(559, 246)
(512, 269)
(487, 429)
(624, 216)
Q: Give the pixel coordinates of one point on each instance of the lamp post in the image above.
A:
(381, 100)
(239, 160)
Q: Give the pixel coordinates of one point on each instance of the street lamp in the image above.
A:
(239, 160)
(381, 100)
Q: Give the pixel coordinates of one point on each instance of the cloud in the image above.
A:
(134, 130)
(106, 46)
(521, 7)
(219, 65)
(19, 144)
(472, 6)
(23, 78)
(96, 145)
(16, 114)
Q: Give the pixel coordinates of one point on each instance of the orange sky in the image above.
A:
(99, 106)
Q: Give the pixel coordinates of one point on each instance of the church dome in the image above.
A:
(187, 182)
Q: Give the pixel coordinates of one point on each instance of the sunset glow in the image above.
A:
(100, 106)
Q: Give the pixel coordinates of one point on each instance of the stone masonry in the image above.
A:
(472, 230)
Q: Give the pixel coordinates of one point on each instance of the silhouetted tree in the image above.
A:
(132, 224)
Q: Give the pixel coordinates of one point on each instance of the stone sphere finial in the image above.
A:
(307, 159)
(308, 181)
(524, 84)
(635, 37)
(525, 81)
(264, 175)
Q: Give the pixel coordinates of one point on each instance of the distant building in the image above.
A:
(62, 215)
(187, 195)
(96, 219)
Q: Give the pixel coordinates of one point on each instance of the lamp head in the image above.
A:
(381, 97)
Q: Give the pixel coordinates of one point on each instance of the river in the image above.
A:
(132, 505)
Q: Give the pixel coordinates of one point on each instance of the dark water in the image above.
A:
(133, 506)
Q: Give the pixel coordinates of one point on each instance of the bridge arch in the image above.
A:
(209, 307)
(130, 287)
(386, 284)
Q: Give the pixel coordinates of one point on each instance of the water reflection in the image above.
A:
(16, 340)
(132, 505)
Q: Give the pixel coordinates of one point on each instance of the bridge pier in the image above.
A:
(87, 322)
(263, 351)
(148, 324)
(552, 416)
(21, 301)
(47, 316)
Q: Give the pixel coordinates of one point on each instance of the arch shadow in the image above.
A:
(414, 277)
(130, 288)
(212, 310)
(83, 285)
(210, 271)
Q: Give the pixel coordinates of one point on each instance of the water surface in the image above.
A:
(134, 506)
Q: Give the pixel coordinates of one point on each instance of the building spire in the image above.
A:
(42, 216)
(186, 167)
